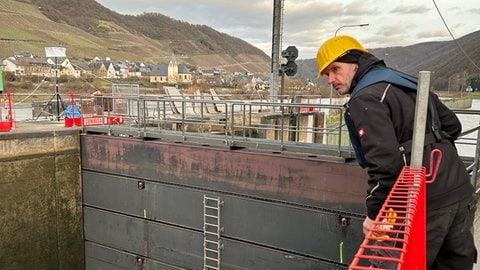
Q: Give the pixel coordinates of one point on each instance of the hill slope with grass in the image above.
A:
(87, 29)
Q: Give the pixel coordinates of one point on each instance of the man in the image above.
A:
(380, 117)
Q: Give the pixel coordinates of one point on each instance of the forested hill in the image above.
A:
(456, 61)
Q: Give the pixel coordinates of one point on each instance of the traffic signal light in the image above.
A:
(291, 53)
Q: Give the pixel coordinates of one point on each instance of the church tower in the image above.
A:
(172, 70)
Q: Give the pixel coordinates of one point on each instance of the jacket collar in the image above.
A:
(366, 62)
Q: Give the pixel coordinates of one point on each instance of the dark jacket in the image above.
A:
(382, 121)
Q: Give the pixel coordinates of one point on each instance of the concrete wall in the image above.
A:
(40, 202)
(457, 103)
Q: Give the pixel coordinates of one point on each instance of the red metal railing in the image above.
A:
(84, 114)
(7, 123)
(397, 239)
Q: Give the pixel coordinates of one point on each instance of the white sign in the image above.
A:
(55, 52)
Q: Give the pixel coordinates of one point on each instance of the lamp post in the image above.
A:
(351, 25)
(448, 88)
(336, 31)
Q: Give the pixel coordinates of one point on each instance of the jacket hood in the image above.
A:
(366, 62)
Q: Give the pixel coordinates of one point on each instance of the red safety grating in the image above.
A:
(397, 239)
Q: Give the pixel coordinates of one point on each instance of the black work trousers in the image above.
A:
(450, 243)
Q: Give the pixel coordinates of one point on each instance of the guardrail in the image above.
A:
(296, 127)
(316, 129)
(307, 128)
(471, 138)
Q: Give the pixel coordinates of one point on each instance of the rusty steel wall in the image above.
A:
(143, 199)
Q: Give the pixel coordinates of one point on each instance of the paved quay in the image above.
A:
(40, 125)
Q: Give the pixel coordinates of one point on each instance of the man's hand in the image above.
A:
(367, 224)
(386, 224)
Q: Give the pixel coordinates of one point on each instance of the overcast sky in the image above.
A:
(307, 23)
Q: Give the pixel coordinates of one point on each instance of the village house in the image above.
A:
(64, 66)
(82, 68)
(39, 66)
(122, 69)
(25, 64)
(171, 73)
(35, 66)
(212, 76)
(11, 65)
(103, 68)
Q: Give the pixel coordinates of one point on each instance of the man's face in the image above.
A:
(340, 76)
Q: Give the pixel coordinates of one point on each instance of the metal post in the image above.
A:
(282, 85)
(331, 94)
(476, 160)
(276, 40)
(421, 108)
(448, 89)
(57, 95)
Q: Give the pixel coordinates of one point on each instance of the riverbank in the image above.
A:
(457, 103)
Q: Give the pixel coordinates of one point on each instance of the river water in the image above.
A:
(469, 121)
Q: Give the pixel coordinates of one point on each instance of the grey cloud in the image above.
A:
(475, 11)
(360, 8)
(307, 23)
(436, 34)
(409, 9)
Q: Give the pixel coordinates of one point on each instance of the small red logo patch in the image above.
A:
(361, 132)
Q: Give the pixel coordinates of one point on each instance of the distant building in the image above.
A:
(171, 73)
(11, 64)
(21, 54)
(37, 67)
(82, 67)
(103, 69)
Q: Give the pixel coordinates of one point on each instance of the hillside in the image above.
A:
(445, 59)
(87, 29)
